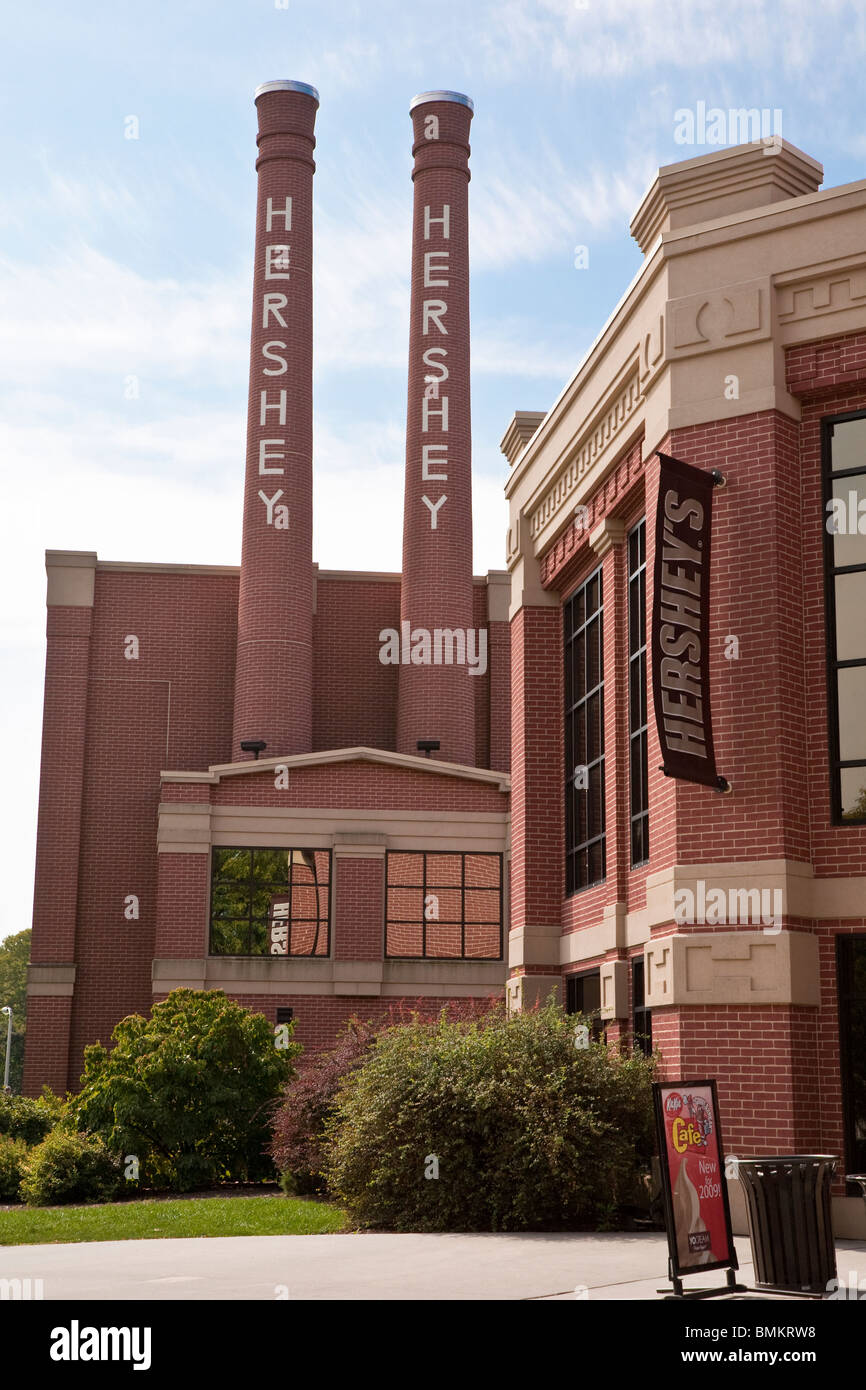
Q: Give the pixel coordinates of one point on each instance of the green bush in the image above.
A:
(69, 1167)
(527, 1131)
(30, 1120)
(187, 1092)
(299, 1122)
(13, 1152)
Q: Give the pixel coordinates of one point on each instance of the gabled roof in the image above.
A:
(407, 761)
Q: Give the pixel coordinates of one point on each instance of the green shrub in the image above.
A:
(527, 1131)
(188, 1092)
(30, 1120)
(299, 1122)
(69, 1167)
(13, 1152)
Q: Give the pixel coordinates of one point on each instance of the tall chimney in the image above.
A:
(273, 679)
(437, 696)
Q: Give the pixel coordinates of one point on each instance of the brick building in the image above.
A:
(728, 928)
(338, 868)
(232, 793)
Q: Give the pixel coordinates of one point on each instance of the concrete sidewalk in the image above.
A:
(616, 1266)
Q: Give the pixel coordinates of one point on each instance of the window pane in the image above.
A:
(483, 943)
(854, 793)
(229, 938)
(404, 940)
(482, 906)
(405, 904)
(448, 904)
(852, 713)
(406, 869)
(846, 521)
(229, 900)
(848, 447)
(443, 870)
(232, 864)
(851, 617)
(271, 866)
(443, 940)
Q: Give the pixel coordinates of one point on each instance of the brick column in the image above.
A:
(436, 700)
(273, 685)
(52, 953)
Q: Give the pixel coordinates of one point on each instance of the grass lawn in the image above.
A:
(145, 1220)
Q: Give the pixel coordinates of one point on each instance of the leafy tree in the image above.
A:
(14, 955)
(188, 1092)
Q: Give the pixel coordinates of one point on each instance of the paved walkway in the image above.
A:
(390, 1267)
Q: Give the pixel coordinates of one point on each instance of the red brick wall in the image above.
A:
(538, 772)
(354, 694)
(359, 908)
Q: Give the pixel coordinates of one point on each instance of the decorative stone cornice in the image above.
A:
(609, 533)
(607, 427)
(523, 425)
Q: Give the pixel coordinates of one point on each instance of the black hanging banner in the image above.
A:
(679, 635)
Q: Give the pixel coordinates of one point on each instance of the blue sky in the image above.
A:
(132, 258)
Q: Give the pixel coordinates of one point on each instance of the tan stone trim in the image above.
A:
(588, 943)
(723, 183)
(498, 596)
(272, 976)
(535, 945)
(250, 767)
(360, 576)
(55, 979)
(358, 845)
(186, 829)
(520, 430)
(802, 895)
(525, 991)
(609, 533)
(738, 967)
(605, 436)
(614, 989)
(148, 567)
(71, 578)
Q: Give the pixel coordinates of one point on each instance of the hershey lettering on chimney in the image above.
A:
(273, 685)
(437, 702)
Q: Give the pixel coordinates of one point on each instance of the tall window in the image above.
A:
(270, 902)
(584, 736)
(845, 589)
(637, 701)
(583, 996)
(641, 1016)
(851, 977)
(444, 906)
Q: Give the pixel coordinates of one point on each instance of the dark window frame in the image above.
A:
(831, 571)
(275, 890)
(572, 632)
(638, 730)
(444, 887)
(574, 983)
(641, 1015)
(845, 997)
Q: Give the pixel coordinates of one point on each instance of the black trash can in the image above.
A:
(788, 1202)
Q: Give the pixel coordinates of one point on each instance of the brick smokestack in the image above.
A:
(273, 680)
(437, 698)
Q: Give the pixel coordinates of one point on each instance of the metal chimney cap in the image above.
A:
(287, 85)
(424, 97)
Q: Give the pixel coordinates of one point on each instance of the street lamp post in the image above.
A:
(6, 1010)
